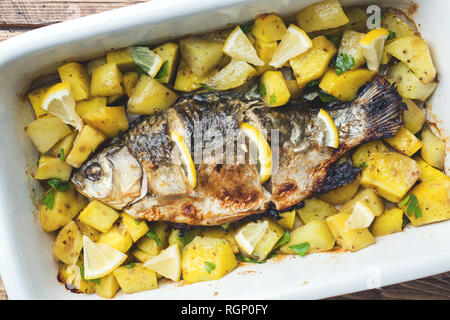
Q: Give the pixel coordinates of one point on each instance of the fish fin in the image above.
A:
(383, 107)
(338, 175)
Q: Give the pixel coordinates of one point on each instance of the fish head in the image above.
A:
(112, 176)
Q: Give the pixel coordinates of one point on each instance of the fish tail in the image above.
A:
(383, 108)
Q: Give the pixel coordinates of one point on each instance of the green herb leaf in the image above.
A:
(225, 226)
(59, 185)
(284, 239)
(163, 71)
(363, 165)
(97, 281)
(336, 40)
(262, 89)
(209, 266)
(392, 35)
(271, 255)
(187, 237)
(413, 206)
(343, 63)
(405, 201)
(61, 154)
(300, 248)
(246, 27)
(152, 234)
(273, 98)
(130, 266)
(206, 87)
(48, 199)
(313, 83)
(243, 258)
(325, 97)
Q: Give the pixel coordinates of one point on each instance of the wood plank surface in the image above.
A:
(18, 16)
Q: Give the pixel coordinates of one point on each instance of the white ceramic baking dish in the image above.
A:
(26, 263)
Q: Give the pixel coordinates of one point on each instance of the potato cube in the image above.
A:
(408, 84)
(315, 209)
(89, 231)
(349, 239)
(168, 52)
(174, 237)
(94, 64)
(388, 222)
(268, 28)
(64, 146)
(136, 279)
(122, 58)
(108, 286)
(342, 194)
(287, 219)
(75, 74)
(316, 233)
(68, 244)
(277, 92)
(136, 228)
(149, 245)
(117, 237)
(429, 173)
(350, 45)
(85, 143)
(434, 202)
(46, 131)
(370, 198)
(414, 116)
(312, 64)
(187, 81)
(391, 174)
(71, 276)
(270, 238)
(365, 151)
(394, 23)
(66, 205)
(220, 233)
(51, 167)
(322, 15)
(265, 51)
(414, 52)
(433, 150)
(109, 120)
(405, 142)
(141, 255)
(107, 81)
(86, 106)
(35, 97)
(345, 86)
(200, 55)
(358, 19)
(99, 216)
(130, 80)
(150, 96)
(206, 258)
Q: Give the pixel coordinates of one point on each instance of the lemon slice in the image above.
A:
(372, 45)
(233, 75)
(331, 132)
(100, 259)
(186, 158)
(239, 47)
(250, 234)
(167, 263)
(264, 154)
(148, 60)
(59, 101)
(294, 42)
(361, 217)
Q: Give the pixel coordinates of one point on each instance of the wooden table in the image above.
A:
(18, 16)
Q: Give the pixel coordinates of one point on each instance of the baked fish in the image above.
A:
(141, 172)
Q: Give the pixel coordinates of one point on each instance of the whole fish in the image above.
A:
(141, 172)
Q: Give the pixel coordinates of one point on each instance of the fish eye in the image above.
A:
(93, 172)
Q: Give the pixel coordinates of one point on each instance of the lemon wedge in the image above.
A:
(234, 74)
(148, 60)
(187, 163)
(167, 263)
(60, 102)
(372, 45)
(100, 259)
(331, 132)
(238, 46)
(294, 43)
(248, 236)
(361, 217)
(264, 154)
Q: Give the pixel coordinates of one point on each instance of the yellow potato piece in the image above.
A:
(136, 279)
(136, 228)
(108, 286)
(414, 116)
(68, 244)
(342, 194)
(433, 151)
(130, 80)
(187, 81)
(86, 106)
(315, 209)
(350, 45)
(107, 81)
(149, 245)
(365, 151)
(64, 146)
(394, 23)
(277, 92)
(89, 231)
(117, 237)
(46, 131)
(270, 238)
(429, 173)
(85, 143)
(122, 58)
(52, 168)
(76, 74)
(269, 28)
(265, 51)
(35, 98)
(405, 142)
(368, 197)
(168, 52)
(99, 216)
(109, 120)
(388, 222)
(322, 15)
(200, 55)
(287, 219)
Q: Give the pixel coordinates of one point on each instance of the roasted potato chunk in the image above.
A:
(270, 238)
(394, 23)
(433, 150)
(390, 221)
(150, 96)
(89, 231)
(76, 74)
(63, 147)
(200, 55)
(429, 173)
(405, 142)
(71, 277)
(109, 120)
(315, 209)
(130, 80)
(322, 15)
(206, 258)
(277, 92)
(370, 198)
(68, 244)
(287, 219)
(107, 81)
(136, 228)
(52, 168)
(268, 28)
(187, 81)
(350, 45)
(99, 216)
(122, 58)
(414, 116)
(85, 143)
(265, 51)
(117, 237)
(342, 194)
(219, 233)
(108, 286)
(148, 243)
(136, 279)
(35, 98)
(94, 64)
(46, 131)
(168, 52)
(86, 106)
(365, 151)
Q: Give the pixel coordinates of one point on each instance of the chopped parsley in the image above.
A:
(152, 234)
(48, 199)
(206, 87)
(413, 206)
(273, 98)
(343, 63)
(284, 239)
(225, 226)
(313, 83)
(392, 35)
(209, 266)
(325, 97)
(61, 154)
(300, 248)
(187, 237)
(162, 71)
(262, 89)
(243, 258)
(55, 185)
(97, 281)
(246, 27)
(130, 266)
(363, 165)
